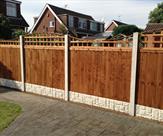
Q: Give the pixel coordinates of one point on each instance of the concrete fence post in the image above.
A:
(133, 74)
(22, 62)
(66, 68)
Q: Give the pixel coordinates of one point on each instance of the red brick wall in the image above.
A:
(43, 25)
(64, 20)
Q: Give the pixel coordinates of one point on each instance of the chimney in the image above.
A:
(35, 19)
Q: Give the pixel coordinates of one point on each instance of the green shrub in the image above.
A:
(17, 33)
(126, 29)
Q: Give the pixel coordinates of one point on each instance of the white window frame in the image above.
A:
(71, 21)
(11, 9)
(52, 23)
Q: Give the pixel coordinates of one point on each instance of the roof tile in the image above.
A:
(153, 27)
(60, 11)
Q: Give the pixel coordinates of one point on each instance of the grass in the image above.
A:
(8, 113)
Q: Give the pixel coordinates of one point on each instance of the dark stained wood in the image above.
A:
(101, 73)
(150, 78)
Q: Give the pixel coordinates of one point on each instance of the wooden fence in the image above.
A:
(152, 40)
(99, 68)
(45, 66)
(10, 62)
(150, 77)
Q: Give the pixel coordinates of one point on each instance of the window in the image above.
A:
(52, 23)
(71, 21)
(93, 26)
(101, 27)
(11, 9)
(82, 23)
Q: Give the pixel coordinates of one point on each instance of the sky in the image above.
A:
(128, 11)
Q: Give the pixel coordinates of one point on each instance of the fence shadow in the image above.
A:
(137, 77)
(6, 78)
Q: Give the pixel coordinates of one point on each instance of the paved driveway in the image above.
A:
(50, 117)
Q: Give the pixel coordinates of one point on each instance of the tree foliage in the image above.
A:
(156, 16)
(5, 28)
(126, 29)
(17, 33)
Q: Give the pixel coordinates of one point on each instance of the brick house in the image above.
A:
(58, 20)
(153, 28)
(114, 24)
(108, 31)
(12, 10)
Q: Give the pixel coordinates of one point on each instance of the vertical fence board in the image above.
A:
(58, 69)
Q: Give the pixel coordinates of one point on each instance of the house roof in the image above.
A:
(18, 21)
(47, 6)
(60, 11)
(153, 27)
(117, 23)
(14, 1)
(103, 36)
(56, 11)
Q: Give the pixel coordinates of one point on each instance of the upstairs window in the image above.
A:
(52, 23)
(11, 9)
(101, 27)
(93, 26)
(82, 23)
(71, 21)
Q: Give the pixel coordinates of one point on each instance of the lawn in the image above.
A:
(8, 113)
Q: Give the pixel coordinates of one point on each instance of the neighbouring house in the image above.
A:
(59, 20)
(153, 28)
(107, 34)
(12, 10)
(114, 24)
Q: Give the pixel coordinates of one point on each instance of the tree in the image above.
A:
(156, 16)
(126, 29)
(5, 28)
(17, 33)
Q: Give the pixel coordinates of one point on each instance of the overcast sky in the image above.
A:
(129, 11)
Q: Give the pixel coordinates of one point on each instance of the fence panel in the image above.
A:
(150, 78)
(101, 71)
(10, 62)
(45, 66)
(152, 40)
